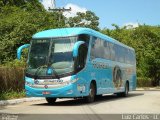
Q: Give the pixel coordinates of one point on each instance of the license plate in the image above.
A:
(46, 93)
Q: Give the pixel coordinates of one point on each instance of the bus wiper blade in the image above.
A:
(55, 72)
(37, 70)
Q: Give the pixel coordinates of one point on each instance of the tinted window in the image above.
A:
(100, 49)
(107, 53)
(120, 53)
(103, 49)
(127, 59)
(129, 56)
(112, 51)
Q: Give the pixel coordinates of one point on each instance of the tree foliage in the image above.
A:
(18, 25)
(24, 4)
(87, 19)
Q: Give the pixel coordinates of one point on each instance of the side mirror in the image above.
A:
(79, 53)
(19, 51)
(76, 48)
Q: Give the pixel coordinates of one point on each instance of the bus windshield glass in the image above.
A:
(54, 52)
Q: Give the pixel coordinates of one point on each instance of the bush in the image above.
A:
(144, 82)
(11, 95)
(11, 79)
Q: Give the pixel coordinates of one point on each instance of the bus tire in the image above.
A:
(92, 92)
(126, 91)
(51, 100)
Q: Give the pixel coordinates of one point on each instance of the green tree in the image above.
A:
(87, 19)
(24, 4)
(17, 27)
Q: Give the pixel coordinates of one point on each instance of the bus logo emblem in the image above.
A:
(46, 86)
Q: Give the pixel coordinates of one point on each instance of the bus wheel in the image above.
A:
(51, 100)
(125, 93)
(91, 97)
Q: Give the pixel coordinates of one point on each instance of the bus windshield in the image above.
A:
(54, 52)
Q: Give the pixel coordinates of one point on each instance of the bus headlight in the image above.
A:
(28, 83)
(74, 80)
(69, 80)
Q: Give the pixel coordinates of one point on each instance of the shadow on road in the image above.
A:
(113, 97)
(78, 102)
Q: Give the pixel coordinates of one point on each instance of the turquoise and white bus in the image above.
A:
(77, 63)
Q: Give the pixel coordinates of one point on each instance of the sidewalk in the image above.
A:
(17, 101)
(148, 89)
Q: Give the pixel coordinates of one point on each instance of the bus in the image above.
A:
(77, 63)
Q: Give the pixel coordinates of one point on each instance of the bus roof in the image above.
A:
(66, 32)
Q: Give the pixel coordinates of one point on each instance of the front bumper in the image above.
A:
(68, 91)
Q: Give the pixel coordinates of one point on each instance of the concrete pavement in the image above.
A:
(136, 102)
(17, 101)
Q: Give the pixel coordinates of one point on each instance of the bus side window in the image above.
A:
(122, 54)
(132, 57)
(92, 54)
(112, 51)
(107, 53)
(100, 49)
(127, 60)
(117, 52)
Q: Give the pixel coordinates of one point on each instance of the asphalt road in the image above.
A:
(136, 102)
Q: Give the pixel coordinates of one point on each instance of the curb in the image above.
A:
(17, 101)
(147, 89)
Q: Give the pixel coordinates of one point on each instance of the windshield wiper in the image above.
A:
(55, 72)
(37, 70)
(44, 66)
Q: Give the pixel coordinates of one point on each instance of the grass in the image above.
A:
(7, 95)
